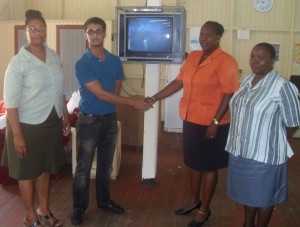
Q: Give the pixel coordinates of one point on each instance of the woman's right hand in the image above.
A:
(20, 145)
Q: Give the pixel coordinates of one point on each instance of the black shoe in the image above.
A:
(195, 223)
(77, 216)
(187, 211)
(111, 206)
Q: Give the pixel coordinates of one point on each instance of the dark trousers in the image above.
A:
(95, 133)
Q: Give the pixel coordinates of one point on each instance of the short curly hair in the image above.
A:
(218, 28)
(270, 48)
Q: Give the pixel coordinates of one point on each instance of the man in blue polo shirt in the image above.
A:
(100, 75)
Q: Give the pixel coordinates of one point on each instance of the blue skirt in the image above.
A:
(256, 184)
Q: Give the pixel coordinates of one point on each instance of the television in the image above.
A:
(151, 34)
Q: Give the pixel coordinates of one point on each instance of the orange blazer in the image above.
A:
(205, 84)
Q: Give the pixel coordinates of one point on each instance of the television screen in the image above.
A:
(150, 34)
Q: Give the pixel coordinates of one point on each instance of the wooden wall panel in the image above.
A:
(5, 9)
(297, 15)
(88, 8)
(144, 2)
(200, 11)
(51, 9)
(295, 67)
(7, 49)
(131, 2)
(242, 49)
(245, 16)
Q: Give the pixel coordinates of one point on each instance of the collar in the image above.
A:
(27, 55)
(214, 54)
(90, 55)
(264, 80)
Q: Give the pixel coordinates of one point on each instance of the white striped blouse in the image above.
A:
(260, 116)
(34, 86)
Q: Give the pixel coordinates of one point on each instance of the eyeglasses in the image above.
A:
(34, 29)
(93, 32)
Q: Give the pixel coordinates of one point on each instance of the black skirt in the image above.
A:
(45, 149)
(204, 154)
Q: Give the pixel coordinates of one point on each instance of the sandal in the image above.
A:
(37, 223)
(197, 223)
(49, 218)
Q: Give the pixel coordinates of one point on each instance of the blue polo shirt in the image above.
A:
(90, 68)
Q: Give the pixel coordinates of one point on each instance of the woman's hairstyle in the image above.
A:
(33, 14)
(218, 28)
(270, 48)
(94, 20)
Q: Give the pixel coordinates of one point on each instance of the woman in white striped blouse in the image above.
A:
(262, 110)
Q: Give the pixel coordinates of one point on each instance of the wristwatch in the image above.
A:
(216, 122)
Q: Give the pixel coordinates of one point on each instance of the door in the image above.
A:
(70, 46)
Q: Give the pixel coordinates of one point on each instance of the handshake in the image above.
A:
(144, 104)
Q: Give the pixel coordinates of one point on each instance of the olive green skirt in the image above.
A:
(45, 149)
